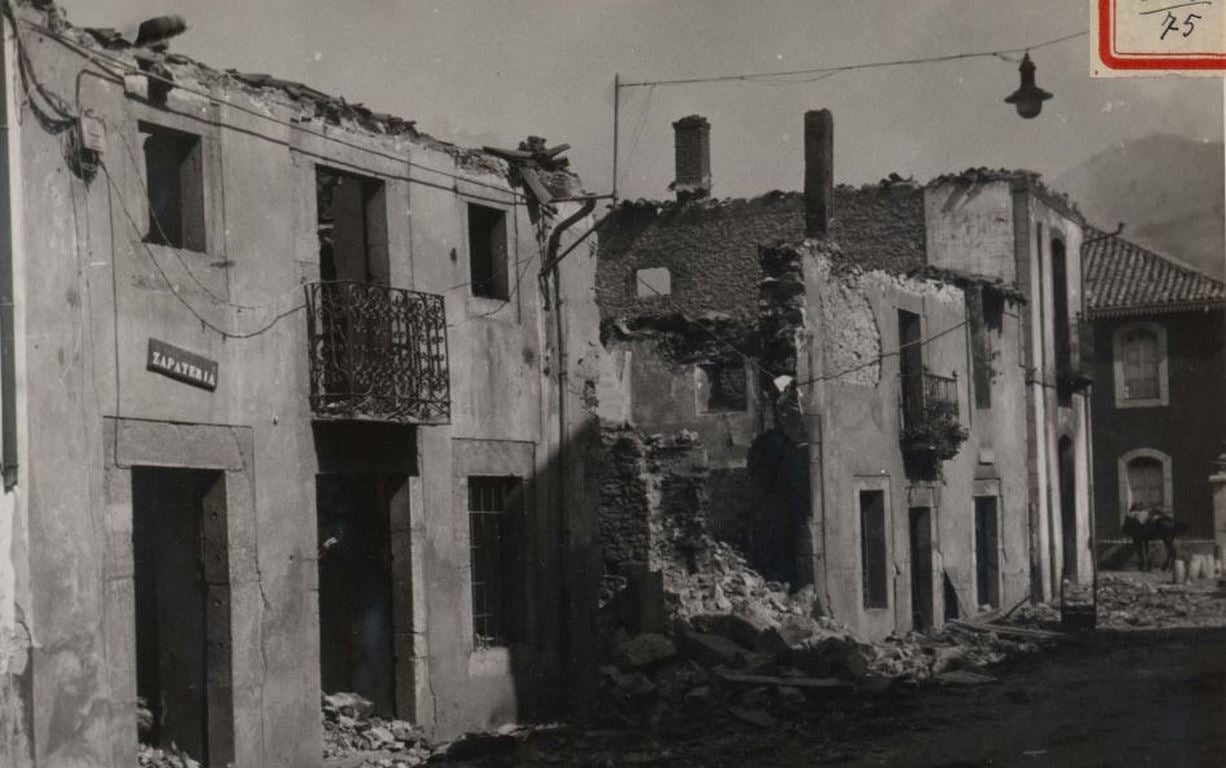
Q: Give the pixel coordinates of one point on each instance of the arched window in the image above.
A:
(1145, 480)
(1140, 365)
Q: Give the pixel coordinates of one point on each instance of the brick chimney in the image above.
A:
(819, 172)
(692, 148)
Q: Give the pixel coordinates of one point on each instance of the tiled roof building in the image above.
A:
(1122, 278)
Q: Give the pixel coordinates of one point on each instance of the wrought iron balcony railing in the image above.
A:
(377, 353)
(928, 396)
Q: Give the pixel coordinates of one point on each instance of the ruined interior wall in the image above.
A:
(710, 251)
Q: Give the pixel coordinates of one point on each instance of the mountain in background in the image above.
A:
(1168, 191)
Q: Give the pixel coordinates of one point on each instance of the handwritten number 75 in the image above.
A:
(1171, 24)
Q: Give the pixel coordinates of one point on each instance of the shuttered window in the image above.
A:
(1142, 364)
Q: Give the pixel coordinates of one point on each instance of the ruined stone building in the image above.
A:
(1157, 367)
(872, 392)
(293, 401)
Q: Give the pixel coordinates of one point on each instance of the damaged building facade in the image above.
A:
(837, 384)
(289, 408)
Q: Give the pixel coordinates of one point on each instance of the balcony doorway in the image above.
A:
(352, 227)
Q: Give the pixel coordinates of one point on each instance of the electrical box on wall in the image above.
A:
(93, 134)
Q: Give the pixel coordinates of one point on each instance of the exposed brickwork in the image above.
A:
(711, 247)
(654, 499)
(692, 150)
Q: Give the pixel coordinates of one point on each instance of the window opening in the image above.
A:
(174, 183)
(722, 388)
(487, 252)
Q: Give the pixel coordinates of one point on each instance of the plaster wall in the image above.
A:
(969, 227)
(1055, 419)
(1003, 228)
(850, 321)
(16, 674)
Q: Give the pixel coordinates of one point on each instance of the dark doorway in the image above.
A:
(356, 629)
(921, 568)
(987, 561)
(182, 610)
(352, 227)
(874, 573)
(1068, 506)
(910, 366)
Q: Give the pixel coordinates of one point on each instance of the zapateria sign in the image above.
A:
(182, 365)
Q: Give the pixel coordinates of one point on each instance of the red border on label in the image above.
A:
(1141, 61)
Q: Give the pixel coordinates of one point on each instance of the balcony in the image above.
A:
(931, 431)
(927, 397)
(377, 353)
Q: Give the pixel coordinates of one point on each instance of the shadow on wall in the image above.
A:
(534, 585)
(779, 470)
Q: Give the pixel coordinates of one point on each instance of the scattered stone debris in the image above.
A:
(1149, 600)
(354, 736)
(152, 757)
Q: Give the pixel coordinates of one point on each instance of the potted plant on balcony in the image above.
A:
(933, 437)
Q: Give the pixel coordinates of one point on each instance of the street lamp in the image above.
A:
(1028, 98)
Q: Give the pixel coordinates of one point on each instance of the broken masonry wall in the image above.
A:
(710, 247)
(780, 459)
(658, 371)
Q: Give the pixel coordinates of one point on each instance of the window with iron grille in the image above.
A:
(495, 515)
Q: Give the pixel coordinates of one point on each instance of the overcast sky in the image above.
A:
(495, 71)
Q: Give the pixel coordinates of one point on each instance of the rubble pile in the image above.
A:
(351, 729)
(724, 582)
(153, 757)
(743, 647)
(1135, 600)
(918, 657)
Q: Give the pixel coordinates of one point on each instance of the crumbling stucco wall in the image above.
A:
(852, 413)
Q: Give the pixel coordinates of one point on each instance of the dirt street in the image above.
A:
(1114, 699)
(1148, 687)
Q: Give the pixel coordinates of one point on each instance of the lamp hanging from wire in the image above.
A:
(1028, 98)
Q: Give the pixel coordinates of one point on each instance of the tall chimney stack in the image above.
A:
(692, 149)
(819, 172)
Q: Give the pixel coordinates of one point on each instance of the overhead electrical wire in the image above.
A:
(764, 76)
